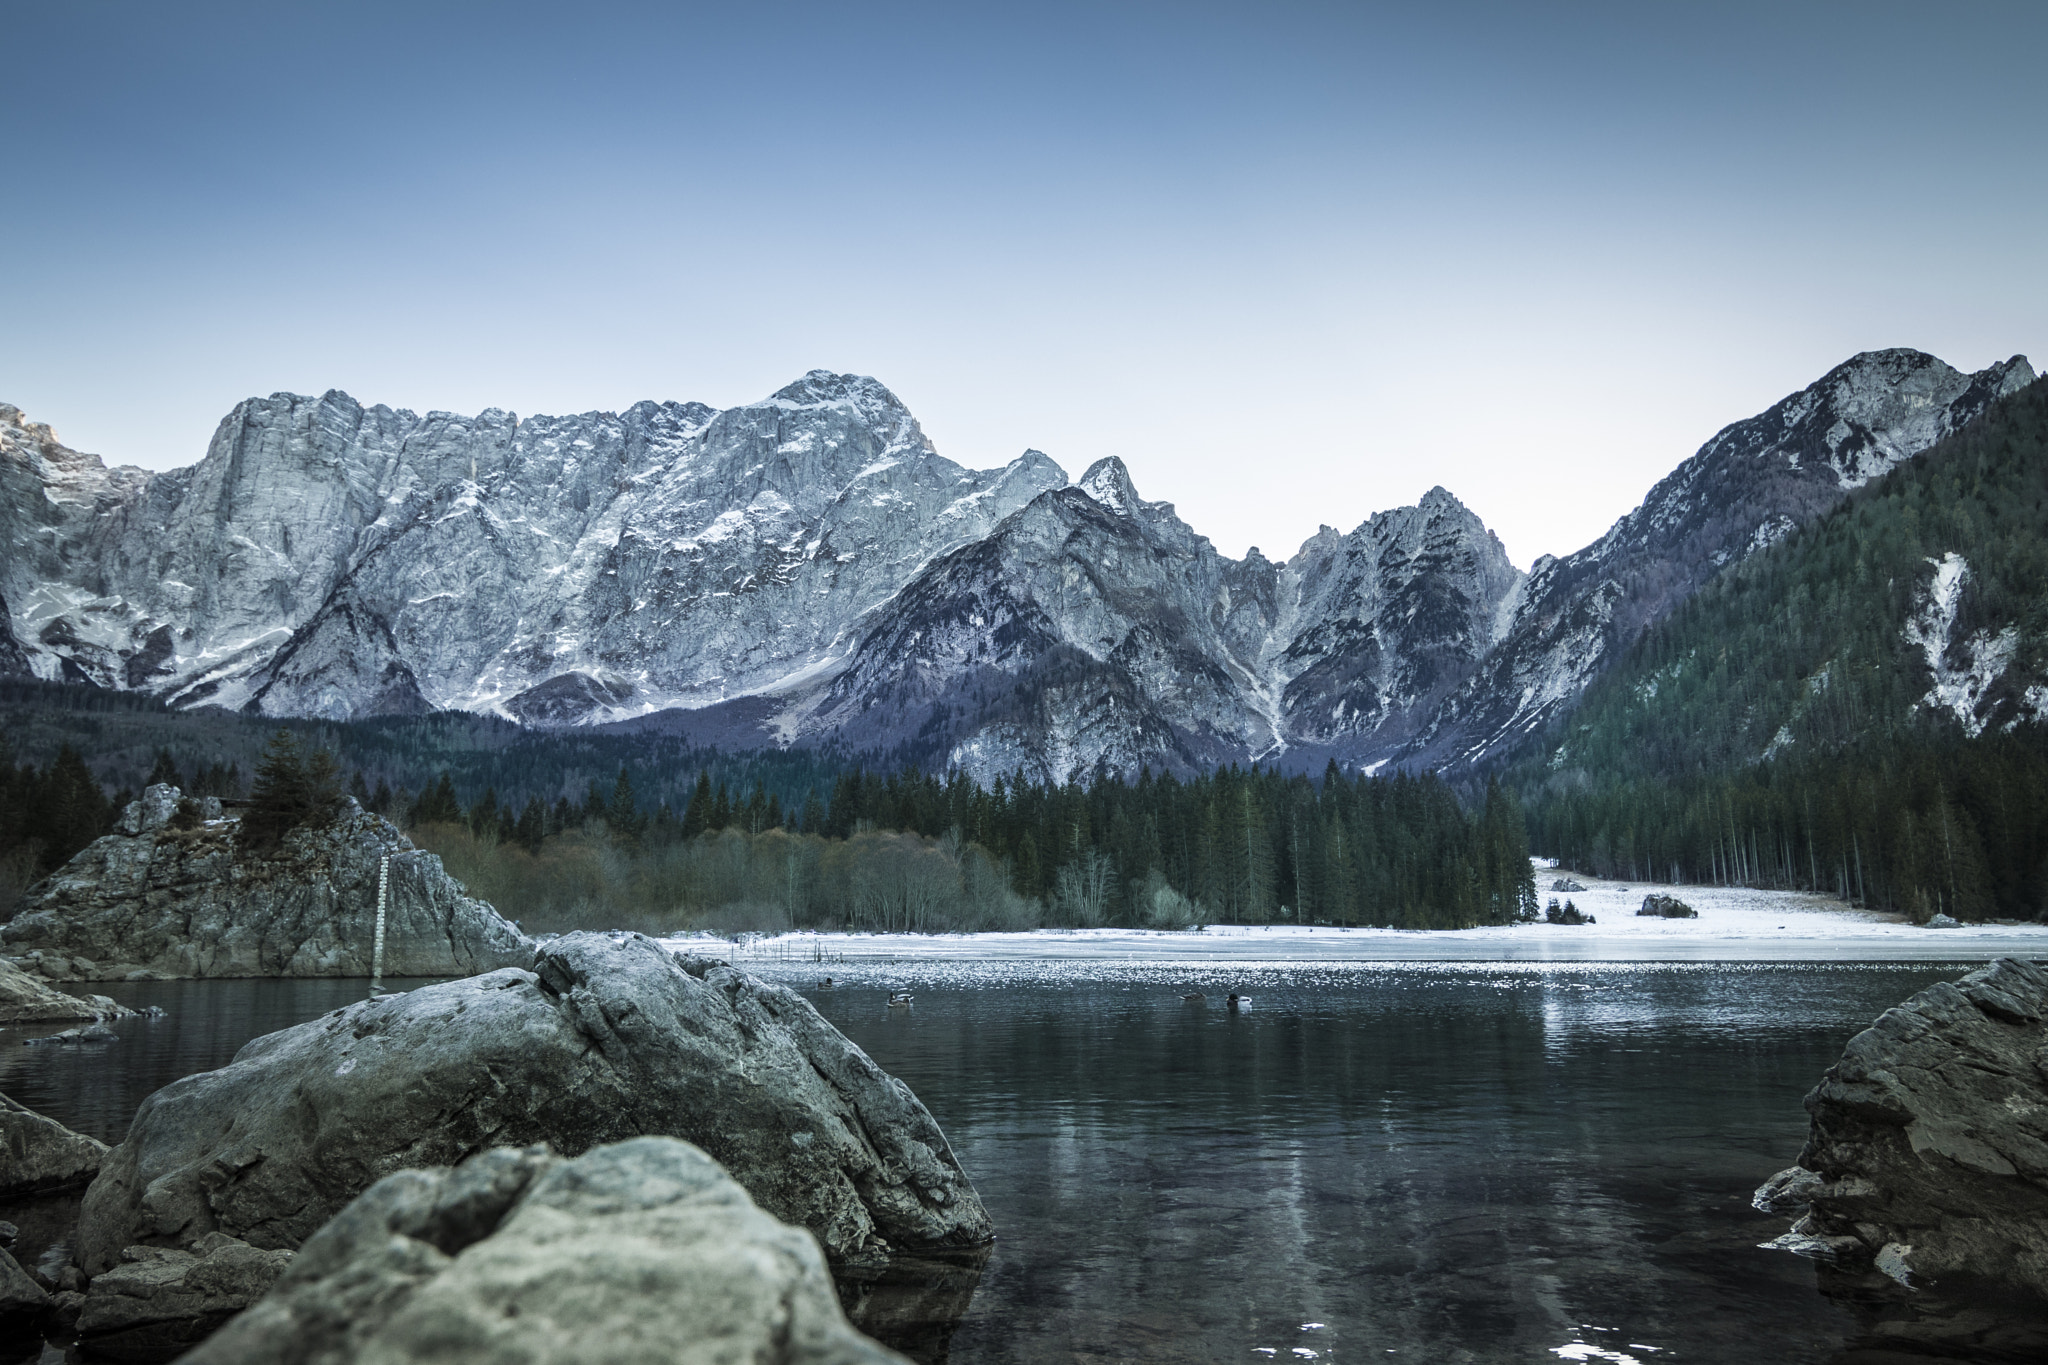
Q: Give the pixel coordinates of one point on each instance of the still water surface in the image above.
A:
(1441, 1161)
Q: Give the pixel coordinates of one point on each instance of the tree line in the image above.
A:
(1782, 728)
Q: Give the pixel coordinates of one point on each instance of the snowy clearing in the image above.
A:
(1734, 925)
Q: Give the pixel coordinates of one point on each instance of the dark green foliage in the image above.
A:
(1246, 846)
(47, 814)
(164, 770)
(532, 826)
(697, 818)
(437, 804)
(292, 789)
(1774, 731)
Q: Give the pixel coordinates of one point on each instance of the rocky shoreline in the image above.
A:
(1923, 1186)
(612, 1070)
(517, 1155)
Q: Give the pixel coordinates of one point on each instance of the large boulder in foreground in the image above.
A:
(37, 1153)
(169, 894)
(640, 1250)
(608, 1037)
(1925, 1176)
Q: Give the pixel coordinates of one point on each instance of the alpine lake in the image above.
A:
(1370, 1161)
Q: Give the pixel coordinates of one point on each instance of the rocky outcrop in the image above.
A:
(608, 1037)
(23, 1302)
(37, 1153)
(169, 894)
(1094, 630)
(27, 997)
(334, 559)
(157, 1301)
(1667, 907)
(1926, 1171)
(639, 1250)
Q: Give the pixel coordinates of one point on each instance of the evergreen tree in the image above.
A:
(164, 770)
(292, 789)
(697, 815)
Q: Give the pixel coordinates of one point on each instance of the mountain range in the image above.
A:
(809, 570)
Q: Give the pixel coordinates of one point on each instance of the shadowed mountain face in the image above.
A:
(809, 568)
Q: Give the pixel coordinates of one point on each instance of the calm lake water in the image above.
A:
(1437, 1161)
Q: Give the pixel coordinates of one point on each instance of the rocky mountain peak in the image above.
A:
(1109, 483)
(1752, 484)
(858, 393)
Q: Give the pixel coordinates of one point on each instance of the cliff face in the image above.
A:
(808, 568)
(183, 902)
(337, 560)
(1096, 629)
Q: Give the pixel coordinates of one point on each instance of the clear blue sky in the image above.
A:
(1294, 262)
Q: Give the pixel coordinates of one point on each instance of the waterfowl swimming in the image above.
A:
(1195, 995)
(826, 984)
(1240, 1002)
(899, 999)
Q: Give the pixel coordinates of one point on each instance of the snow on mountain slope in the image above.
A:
(1094, 629)
(1750, 485)
(335, 560)
(808, 568)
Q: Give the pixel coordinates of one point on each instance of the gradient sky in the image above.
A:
(1295, 263)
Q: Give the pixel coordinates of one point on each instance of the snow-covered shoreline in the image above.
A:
(1734, 925)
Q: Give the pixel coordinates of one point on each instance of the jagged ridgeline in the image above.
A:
(1854, 711)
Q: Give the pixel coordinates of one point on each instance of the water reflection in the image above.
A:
(1467, 1163)
(1457, 1162)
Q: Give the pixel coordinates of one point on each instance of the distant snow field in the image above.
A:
(1734, 925)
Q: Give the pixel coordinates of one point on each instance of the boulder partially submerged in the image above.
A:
(28, 997)
(1924, 1181)
(39, 1154)
(608, 1037)
(169, 894)
(638, 1250)
(159, 1301)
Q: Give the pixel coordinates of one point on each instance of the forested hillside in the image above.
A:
(592, 828)
(1857, 710)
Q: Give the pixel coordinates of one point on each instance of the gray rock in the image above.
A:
(609, 1037)
(90, 1033)
(1566, 884)
(327, 558)
(173, 902)
(1094, 629)
(1944, 922)
(1926, 1169)
(156, 1301)
(635, 1251)
(27, 998)
(639, 1250)
(1669, 907)
(37, 1153)
(23, 1302)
